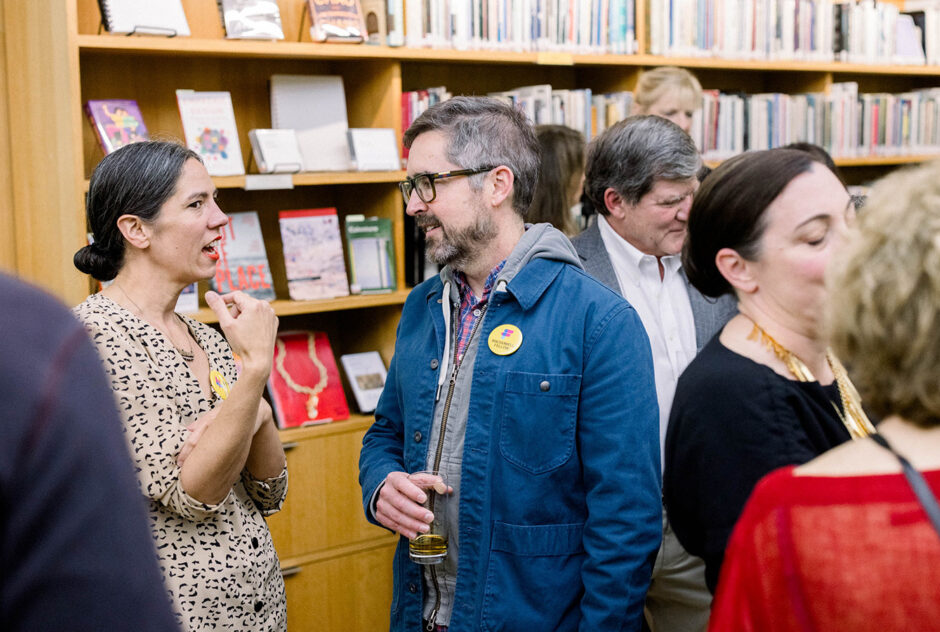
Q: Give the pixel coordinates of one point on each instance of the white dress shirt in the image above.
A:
(664, 308)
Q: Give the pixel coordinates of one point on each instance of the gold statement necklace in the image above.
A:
(313, 394)
(188, 355)
(854, 418)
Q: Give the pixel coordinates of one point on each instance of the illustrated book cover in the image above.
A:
(336, 21)
(210, 130)
(251, 19)
(243, 261)
(305, 385)
(117, 122)
(313, 254)
(366, 374)
(371, 254)
(148, 17)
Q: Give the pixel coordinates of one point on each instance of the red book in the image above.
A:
(305, 385)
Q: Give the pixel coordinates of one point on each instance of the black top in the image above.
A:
(75, 548)
(733, 421)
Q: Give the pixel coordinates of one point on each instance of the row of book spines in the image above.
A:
(844, 123)
(784, 29)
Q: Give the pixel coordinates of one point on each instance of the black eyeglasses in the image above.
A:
(423, 183)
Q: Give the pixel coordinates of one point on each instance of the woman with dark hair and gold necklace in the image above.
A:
(208, 456)
(766, 391)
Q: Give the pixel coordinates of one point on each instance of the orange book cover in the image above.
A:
(305, 385)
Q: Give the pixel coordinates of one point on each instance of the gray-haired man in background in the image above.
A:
(641, 176)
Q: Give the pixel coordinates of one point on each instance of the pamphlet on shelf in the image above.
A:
(371, 248)
(276, 150)
(305, 385)
(374, 149)
(147, 17)
(117, 122)
(210, 130)
(251, 19)
(243, 260)
(315, 107)
(336, 21)
(313, 254)
(366, 374)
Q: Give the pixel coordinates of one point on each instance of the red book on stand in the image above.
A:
(305, 385)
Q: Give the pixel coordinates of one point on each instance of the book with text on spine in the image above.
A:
(117, 122)
(243, 261)
(210, 130)
(305, 385)
(313, 254)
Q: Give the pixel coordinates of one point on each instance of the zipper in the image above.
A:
(440, 449)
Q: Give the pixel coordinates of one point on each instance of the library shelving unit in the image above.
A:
(337, 566)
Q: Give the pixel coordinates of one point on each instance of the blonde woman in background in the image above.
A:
(844, 542)
(561, 176)
(670, 92)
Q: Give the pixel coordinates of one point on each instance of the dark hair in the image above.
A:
(562, 159)
(819, 155)
(728, 211)
(484, 131)
(134, 180)
(632, 155)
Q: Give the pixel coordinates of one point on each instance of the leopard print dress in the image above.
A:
(218, 561)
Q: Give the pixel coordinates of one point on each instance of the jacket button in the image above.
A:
(417, 436)
(434, 364)
(258, 606)
(412, 588)
(545, 386)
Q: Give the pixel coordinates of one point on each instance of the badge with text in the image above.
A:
(219, 385)
(505, 339)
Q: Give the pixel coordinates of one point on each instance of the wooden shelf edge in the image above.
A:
(311, 179)
(311, 50)
(383, 539)
(865, 161)
(293, 308)
(355, 423)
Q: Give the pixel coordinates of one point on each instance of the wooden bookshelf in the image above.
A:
(55, 59)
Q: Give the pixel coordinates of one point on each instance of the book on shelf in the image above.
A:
(243, 261)
(210, 130)
(305, 385)
(375, 13)
(147, 17)
(315, 107)
(395, 19)
(371, 248)
(336, 21)
(188, 301)
(251, 19)
(313, 254)
(366, 374)
(276, 150)
(117, 122)
(374, 149)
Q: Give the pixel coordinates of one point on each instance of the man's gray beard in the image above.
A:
(459, 248)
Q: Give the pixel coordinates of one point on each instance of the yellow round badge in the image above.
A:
(505, 339)
(219, 385)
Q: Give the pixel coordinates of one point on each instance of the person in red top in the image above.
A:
(844, 542)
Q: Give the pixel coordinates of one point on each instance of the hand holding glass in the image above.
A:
(431, 547)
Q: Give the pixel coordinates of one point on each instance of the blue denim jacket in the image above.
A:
(560, 504)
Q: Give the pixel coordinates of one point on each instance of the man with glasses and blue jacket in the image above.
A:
(528, 386)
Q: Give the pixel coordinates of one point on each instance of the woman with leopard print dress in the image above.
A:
(208, 457)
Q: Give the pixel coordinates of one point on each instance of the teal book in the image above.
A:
(371, 251)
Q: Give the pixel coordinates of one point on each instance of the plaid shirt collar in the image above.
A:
(469, 306)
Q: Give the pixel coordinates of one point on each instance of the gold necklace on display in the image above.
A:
(313, 398)
(188, 355)
(854, 418)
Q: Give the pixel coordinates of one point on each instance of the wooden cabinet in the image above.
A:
(54, 58)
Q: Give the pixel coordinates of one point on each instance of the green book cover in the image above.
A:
(371, 254)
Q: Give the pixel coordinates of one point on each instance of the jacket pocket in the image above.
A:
(523, 557)
(538, 419)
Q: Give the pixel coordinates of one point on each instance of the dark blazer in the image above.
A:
(710, 314)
